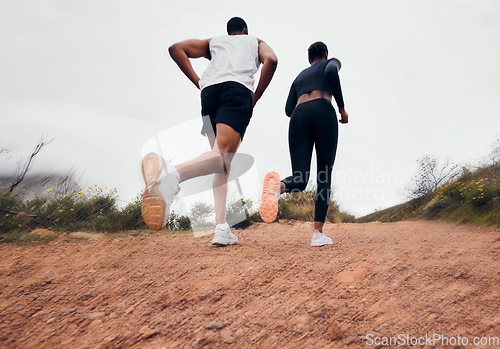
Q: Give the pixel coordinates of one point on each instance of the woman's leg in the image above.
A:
(325, 138)
(300, 143)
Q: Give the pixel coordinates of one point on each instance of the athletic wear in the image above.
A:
(228, 83)
(321, 76)
(233, 58)
(268, 209)
(320, 239)
(162, 184)
(313, 123)
(229, 103)
(223, 236)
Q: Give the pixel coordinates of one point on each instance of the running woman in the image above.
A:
(313, 123)
(227, 101)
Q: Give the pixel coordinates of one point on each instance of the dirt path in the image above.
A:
(271, 290)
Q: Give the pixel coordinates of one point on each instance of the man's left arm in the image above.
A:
(269, 62)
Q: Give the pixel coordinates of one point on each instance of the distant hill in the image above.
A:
(41, 185)
(474, 198)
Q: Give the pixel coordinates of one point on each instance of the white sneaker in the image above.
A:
(320, 239)
(223, 236)
(162, 184)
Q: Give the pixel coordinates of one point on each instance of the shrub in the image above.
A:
(131, 217)
(94, 209)
(199, 214)
(9, 206)
(91, 209)
(473, 198)
(300, 206)
(237, 214)
(177, 222)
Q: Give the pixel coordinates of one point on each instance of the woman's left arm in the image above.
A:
(332, 76)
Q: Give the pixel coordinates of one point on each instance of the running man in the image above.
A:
(227, 100)
(312, 123)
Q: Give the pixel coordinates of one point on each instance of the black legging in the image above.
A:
(313, 123)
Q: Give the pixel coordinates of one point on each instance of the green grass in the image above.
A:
(300, 206)
(24, 238)
(127, 233)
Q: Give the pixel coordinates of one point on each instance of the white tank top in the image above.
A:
(234, 58)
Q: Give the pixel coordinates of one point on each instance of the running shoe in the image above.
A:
(162, 183)
(320, 239)
(268, 209)
(223, 236)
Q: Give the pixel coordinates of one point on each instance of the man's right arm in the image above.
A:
(182, 51)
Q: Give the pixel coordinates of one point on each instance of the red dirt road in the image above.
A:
(270, 291)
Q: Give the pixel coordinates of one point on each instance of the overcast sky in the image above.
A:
(418, 77)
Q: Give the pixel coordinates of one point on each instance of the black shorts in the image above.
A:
(228, 103)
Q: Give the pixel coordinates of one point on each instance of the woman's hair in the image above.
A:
(317, 50)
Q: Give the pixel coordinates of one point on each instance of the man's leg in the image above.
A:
(207, 163)
(155, 209)
(226, 144)
(216, 161)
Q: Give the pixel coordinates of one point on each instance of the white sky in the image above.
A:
(418, 77)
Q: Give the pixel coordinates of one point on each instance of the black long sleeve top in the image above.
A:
(319, 76)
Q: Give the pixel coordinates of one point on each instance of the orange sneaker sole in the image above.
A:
(153, 212)
(268, 209)
(153, 206)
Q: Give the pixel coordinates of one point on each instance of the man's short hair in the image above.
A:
(317, 50)
(236, 25)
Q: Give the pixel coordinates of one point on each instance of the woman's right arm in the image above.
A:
(291, 101)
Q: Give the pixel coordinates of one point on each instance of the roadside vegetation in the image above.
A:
(473, 197)
(94, 209)
(439, 190)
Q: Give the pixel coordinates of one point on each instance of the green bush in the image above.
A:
(467, 190)
(9, 206)
(237, 214)
(177, 222)
(199, 214)
(92, 209)
(130, 216)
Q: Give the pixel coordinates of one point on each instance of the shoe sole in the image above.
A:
(153, 206)
(321, 244)
(220, 244)
(268, 209)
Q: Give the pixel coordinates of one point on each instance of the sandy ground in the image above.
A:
(270, 291)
